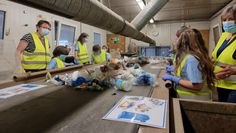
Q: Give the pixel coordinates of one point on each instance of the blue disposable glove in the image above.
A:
(171, 78)
(169, 69)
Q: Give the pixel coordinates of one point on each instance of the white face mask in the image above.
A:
(44, 32)
(85, 40)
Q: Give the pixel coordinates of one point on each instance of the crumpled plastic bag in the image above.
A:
(145, 78)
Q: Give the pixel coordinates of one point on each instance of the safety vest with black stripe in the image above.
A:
(203, 94)
(38, 59)
(59, 62)
(225, 59)
(83, 53)
(100, 59)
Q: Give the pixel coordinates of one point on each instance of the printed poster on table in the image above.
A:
(139, 110)
(19, 89)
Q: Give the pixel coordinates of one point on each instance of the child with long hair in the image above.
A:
(194, 76)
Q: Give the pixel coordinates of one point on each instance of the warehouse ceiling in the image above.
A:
(174, 10)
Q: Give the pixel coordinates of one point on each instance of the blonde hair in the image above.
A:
(231, 10)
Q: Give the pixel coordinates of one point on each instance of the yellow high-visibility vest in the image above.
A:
(203, 94)
(39, 58)
(100, 59)
(225, 59)
(60, 63)
(83, 53)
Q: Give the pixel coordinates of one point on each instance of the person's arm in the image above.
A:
(76, 51)
(52, 64)
(225, 72)
(108, 57)
(190, 85)
(193, 74)
(19, 50)
(92, 60)
(195, 80)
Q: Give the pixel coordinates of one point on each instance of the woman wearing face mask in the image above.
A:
(224, 56)
(81, 51)
(99, 55)
(32, 53)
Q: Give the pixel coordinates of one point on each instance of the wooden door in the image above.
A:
(205, 36)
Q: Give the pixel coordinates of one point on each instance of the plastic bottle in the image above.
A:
(123, 85)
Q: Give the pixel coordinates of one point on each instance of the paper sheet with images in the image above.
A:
(140, 110)
(18, 89)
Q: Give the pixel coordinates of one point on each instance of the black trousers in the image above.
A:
(226, 95)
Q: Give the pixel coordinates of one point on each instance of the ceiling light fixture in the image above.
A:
(151, 21)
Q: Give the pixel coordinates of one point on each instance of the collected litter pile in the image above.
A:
(122, 75)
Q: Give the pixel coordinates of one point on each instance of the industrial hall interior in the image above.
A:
(117, 66)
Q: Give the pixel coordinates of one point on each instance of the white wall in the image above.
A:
(165, 33)
(17, 16)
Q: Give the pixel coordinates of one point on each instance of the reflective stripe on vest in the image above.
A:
(203, 94)
(39, 58)
(101, 58)
(225, 59)
(59, 62)
(83, 53)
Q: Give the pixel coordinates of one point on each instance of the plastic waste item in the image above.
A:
(123, 85)
(56, 80)
(78, 81)
(145, 78)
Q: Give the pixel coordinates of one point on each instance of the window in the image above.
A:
(67, 35)
(97, 39)
(155, 51)
(56, 26)
(2, 23)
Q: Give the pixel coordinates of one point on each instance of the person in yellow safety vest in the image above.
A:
(107, 50)
(33, 50)
(224, 56)
(99, 55)
(56, 61)
(81, 51)
(194, 70)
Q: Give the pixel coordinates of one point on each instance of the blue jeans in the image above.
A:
(226, 95)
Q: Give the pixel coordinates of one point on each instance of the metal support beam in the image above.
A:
(90, 12)
(147, 13)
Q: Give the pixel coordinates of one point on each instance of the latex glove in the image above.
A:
(169, 69)
(171, 78)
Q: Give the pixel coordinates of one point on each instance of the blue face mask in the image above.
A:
(229, 26)
(44, 32)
